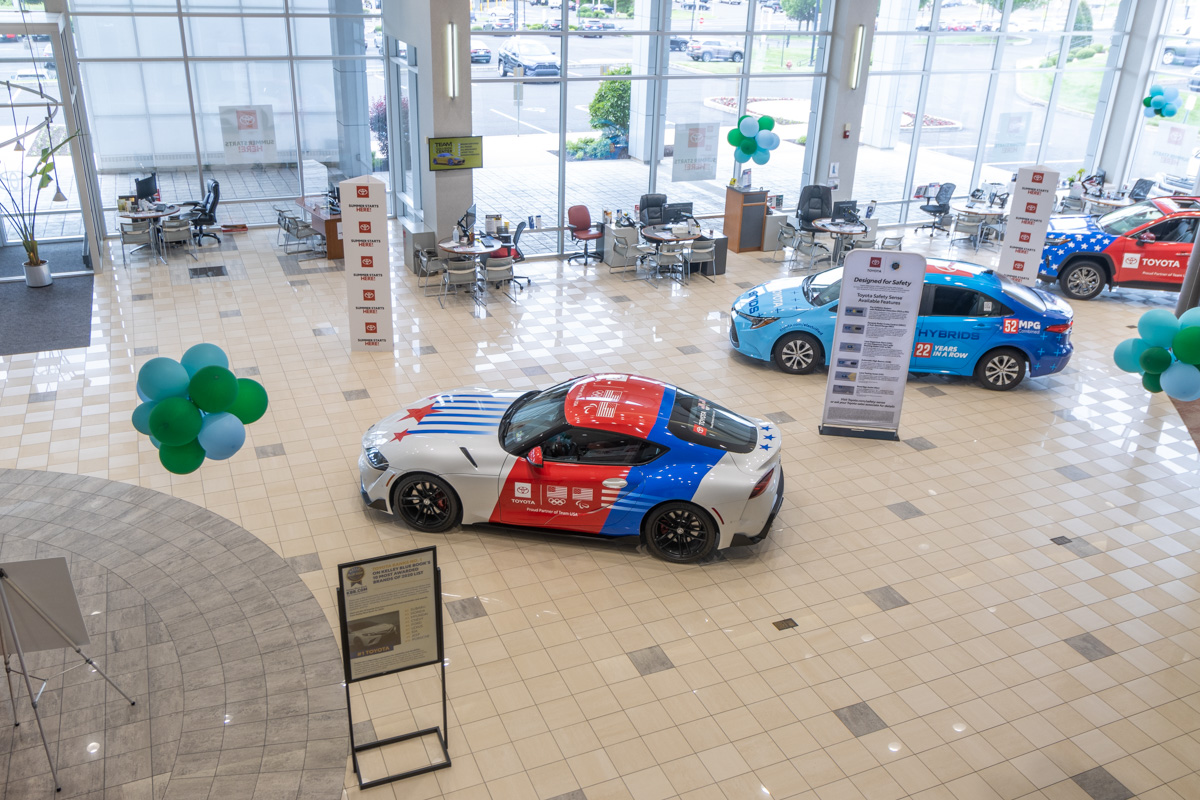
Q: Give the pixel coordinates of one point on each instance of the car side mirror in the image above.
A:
(534, 457)
(1147, 238)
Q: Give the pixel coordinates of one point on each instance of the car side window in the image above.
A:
(587, 446)
(1180, 229)
(953, 301)
(988, 307)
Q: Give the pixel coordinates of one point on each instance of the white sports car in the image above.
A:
(364, 633)
(610, 455)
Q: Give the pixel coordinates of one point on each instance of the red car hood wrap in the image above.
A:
(624, 404)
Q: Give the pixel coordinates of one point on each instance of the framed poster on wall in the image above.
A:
(455, 152)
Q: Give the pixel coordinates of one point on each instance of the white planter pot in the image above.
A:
(38, 276)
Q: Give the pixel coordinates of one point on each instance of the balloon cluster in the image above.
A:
(195, 408)
(1160, 102)
(1166, 353)
(754, 139)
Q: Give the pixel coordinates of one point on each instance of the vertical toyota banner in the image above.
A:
(872, 343)
(368, 270)
(695, 157)
(248, 134)
(1029, 211)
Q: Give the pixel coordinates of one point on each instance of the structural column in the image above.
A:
(842, 105)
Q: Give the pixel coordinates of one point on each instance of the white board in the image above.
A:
(47, 582)
(1030, 206)
(364, 231)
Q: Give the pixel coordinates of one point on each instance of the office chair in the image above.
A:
(1141, 189)
(651, 206)
(579, 220)
(1095, 181)
(205, 212)
(999, 200)
(1073, 202)
(815, 202)
(938, 209)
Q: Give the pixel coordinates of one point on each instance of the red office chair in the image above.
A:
(580, 223)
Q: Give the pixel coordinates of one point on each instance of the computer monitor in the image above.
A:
(676, 212)
(466, 223)
(146, 188)
(845, 211)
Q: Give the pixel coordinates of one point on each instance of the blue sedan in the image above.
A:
(972, 322)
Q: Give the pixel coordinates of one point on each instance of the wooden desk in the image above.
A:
(745, 218)
(326, 223)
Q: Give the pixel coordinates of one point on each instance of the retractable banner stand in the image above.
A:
(872, 343)
(1030, 208)
(390, 614)
(368, 266)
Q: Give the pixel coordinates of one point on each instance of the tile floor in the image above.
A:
(1015, 668)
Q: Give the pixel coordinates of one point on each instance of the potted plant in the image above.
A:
(21, 208)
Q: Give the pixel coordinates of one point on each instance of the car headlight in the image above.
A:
(757, 322)
(375, 458)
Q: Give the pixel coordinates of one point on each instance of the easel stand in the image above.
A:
(6, 584)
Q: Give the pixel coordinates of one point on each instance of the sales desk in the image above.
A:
(325, 222)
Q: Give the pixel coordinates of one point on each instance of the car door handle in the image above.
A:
(614, 483)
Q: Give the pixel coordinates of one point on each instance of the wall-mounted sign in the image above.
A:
(872, 343)
(364, 233)
(1030, 206)
(695, 157)
(455, 152)
(248, 134)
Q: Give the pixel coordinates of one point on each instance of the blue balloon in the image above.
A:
(1158, 102)
(221, 435)
(203, 355)
(761, 156)
(141, 417)
(157, 444)
(1190, 318)
(1169, 110)
(1148, 112)
(160, 378)
(1181, 381)
(1158, 327)
(767, 140)
(740, 155)
(1171, 94)
(141, 395)
(749, 127)
(1128, 352)
(1156, 90)
(774, 140)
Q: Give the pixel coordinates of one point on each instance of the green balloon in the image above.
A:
(181, 459)
(1155, 360)
(1151, 382)
(766, 123)
(1146, 101)
(748, 146)
(213, 389)
(1186, 345)
(251, 402)
(175, 421)
(735, 137)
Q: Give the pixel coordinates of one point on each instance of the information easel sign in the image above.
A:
(364, 233)
(390, 614)
(1032, 202)
(872, 343)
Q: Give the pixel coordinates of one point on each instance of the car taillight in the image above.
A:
(1060, 328)
(762, 484)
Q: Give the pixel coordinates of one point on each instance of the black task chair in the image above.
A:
(651, 206)
(938, 209)
(205, 213)
(1141, 189)
(514, 252)
(816, 202)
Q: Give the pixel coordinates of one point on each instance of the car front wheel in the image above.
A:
(706, 57)
(1001, 370)
(797, 353)
(426, 503)
(1083, 280)
(737, 58)
(680, 532)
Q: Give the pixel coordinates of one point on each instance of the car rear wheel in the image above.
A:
(1001, 370)
(706, 57)
(737, 58)
(1083, 280)
(426, 503)
(503, 69)
(680, 532)
(797, 353)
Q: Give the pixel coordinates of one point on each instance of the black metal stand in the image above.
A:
(859, 433)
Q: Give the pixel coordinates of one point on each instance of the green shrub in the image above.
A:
(535, 26)
(589, 147)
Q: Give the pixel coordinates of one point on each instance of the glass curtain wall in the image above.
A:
(583, 106)
(966, 93)
(1167, 150)
(271, 98)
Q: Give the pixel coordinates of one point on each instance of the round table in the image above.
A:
(1107, 203)
(840, 232)
(979, 210)
(151, 217)
(464, 249)
(658, 235)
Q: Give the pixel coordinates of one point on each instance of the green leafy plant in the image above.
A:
(24, 193)
(610, 106)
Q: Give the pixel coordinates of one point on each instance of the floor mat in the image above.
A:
(63, 257)
(54, 317)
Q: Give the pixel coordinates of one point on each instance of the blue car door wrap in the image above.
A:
(955, 328)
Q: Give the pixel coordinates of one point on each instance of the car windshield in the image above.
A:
(1022, 294)
(1124, 220)
(534, 49)
(824, 287)
(534, 416)
(701, 421)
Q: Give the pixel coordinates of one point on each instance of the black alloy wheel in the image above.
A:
(681, 533)
(426, 503)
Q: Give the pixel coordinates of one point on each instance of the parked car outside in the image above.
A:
(480, 53)
(537, 59)
(713, 50)
(679, 43)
